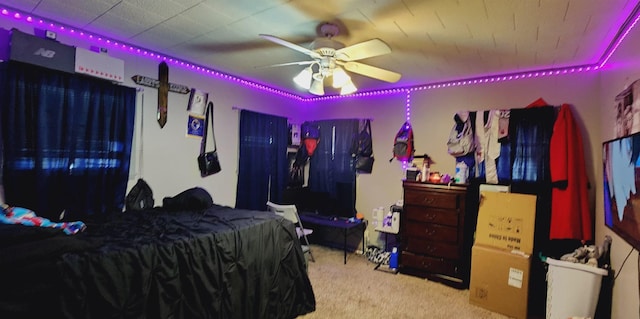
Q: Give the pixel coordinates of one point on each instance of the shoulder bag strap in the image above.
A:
(209, 115)
(367, 128)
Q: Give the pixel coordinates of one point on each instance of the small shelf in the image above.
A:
(387, 230)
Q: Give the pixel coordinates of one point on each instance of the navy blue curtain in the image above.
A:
(524, 155)
(530, 131)
(332, 166)
(263, 165)
(66, 141)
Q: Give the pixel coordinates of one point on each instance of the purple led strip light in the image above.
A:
(471, 81)
(480, 80)
(143, 52)
(405, 164)
(627, 27)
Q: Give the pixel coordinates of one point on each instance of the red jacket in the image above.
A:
(571, 217)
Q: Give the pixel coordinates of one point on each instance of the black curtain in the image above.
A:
(66, 141)
(263, 165)
(332, 166)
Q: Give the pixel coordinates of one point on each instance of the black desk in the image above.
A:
(335, 223)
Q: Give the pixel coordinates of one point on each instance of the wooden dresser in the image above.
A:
(436, 234)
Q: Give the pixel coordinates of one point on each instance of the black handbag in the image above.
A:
(364, 157)
(208, 161)
(364, 164)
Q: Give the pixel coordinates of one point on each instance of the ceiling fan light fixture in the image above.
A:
(334, 59)
(317, 85)
(340, 77)
(303, 79)
(348, 88)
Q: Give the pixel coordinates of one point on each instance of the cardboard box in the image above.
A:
(495, 188)
(43, 52)
(500, 257)
(506, 221)
(500, 280)
(99, 65)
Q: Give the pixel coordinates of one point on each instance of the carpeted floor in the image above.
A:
(356, 290)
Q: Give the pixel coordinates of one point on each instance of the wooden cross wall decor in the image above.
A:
(163, 93)
(164, 87)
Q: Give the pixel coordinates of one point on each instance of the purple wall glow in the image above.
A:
(99, 40)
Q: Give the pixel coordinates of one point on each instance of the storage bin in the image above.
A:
(572, 289)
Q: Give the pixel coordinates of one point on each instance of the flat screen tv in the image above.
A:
(621, 178)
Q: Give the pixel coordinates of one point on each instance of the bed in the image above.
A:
(219, 262)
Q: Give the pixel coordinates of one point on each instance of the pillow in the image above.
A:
(196, 198)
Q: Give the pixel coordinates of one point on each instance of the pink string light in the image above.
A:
(407, 90)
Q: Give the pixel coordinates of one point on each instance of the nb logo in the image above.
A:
(45, 53)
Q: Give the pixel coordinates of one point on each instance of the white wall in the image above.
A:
(169, 157)
(620, 72)
(432, 118)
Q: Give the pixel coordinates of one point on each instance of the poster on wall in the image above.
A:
(197, 102)
(197, 107)
(195, 126)
(627, 110)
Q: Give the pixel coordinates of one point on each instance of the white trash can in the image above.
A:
(572, 289)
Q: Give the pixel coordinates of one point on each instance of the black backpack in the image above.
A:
(365, 145)
(140, 197)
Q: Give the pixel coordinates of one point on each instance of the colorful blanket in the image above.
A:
(23, 216)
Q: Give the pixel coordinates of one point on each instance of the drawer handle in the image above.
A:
(430, 216)
(430, 232)
(426, 264)
(428, 200)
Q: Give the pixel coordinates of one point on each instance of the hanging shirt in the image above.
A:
(570, 214)
(488, 147)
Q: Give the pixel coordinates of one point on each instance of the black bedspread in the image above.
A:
(216, 263)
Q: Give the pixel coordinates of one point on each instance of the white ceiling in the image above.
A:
(431, 40)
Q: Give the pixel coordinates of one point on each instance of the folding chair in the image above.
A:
(290, 213)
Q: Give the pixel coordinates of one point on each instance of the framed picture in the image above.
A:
(627, 110)
(197, 102)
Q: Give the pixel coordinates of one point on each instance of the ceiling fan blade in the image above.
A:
(363, 50)
(290, 45)
(285, 64)
(371, 71)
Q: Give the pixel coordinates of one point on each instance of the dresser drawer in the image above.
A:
(433, 232)
(431, 215)
(429, 264)
(432, 248)
(431, 199)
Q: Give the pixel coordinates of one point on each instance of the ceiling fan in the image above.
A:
(331, 58)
